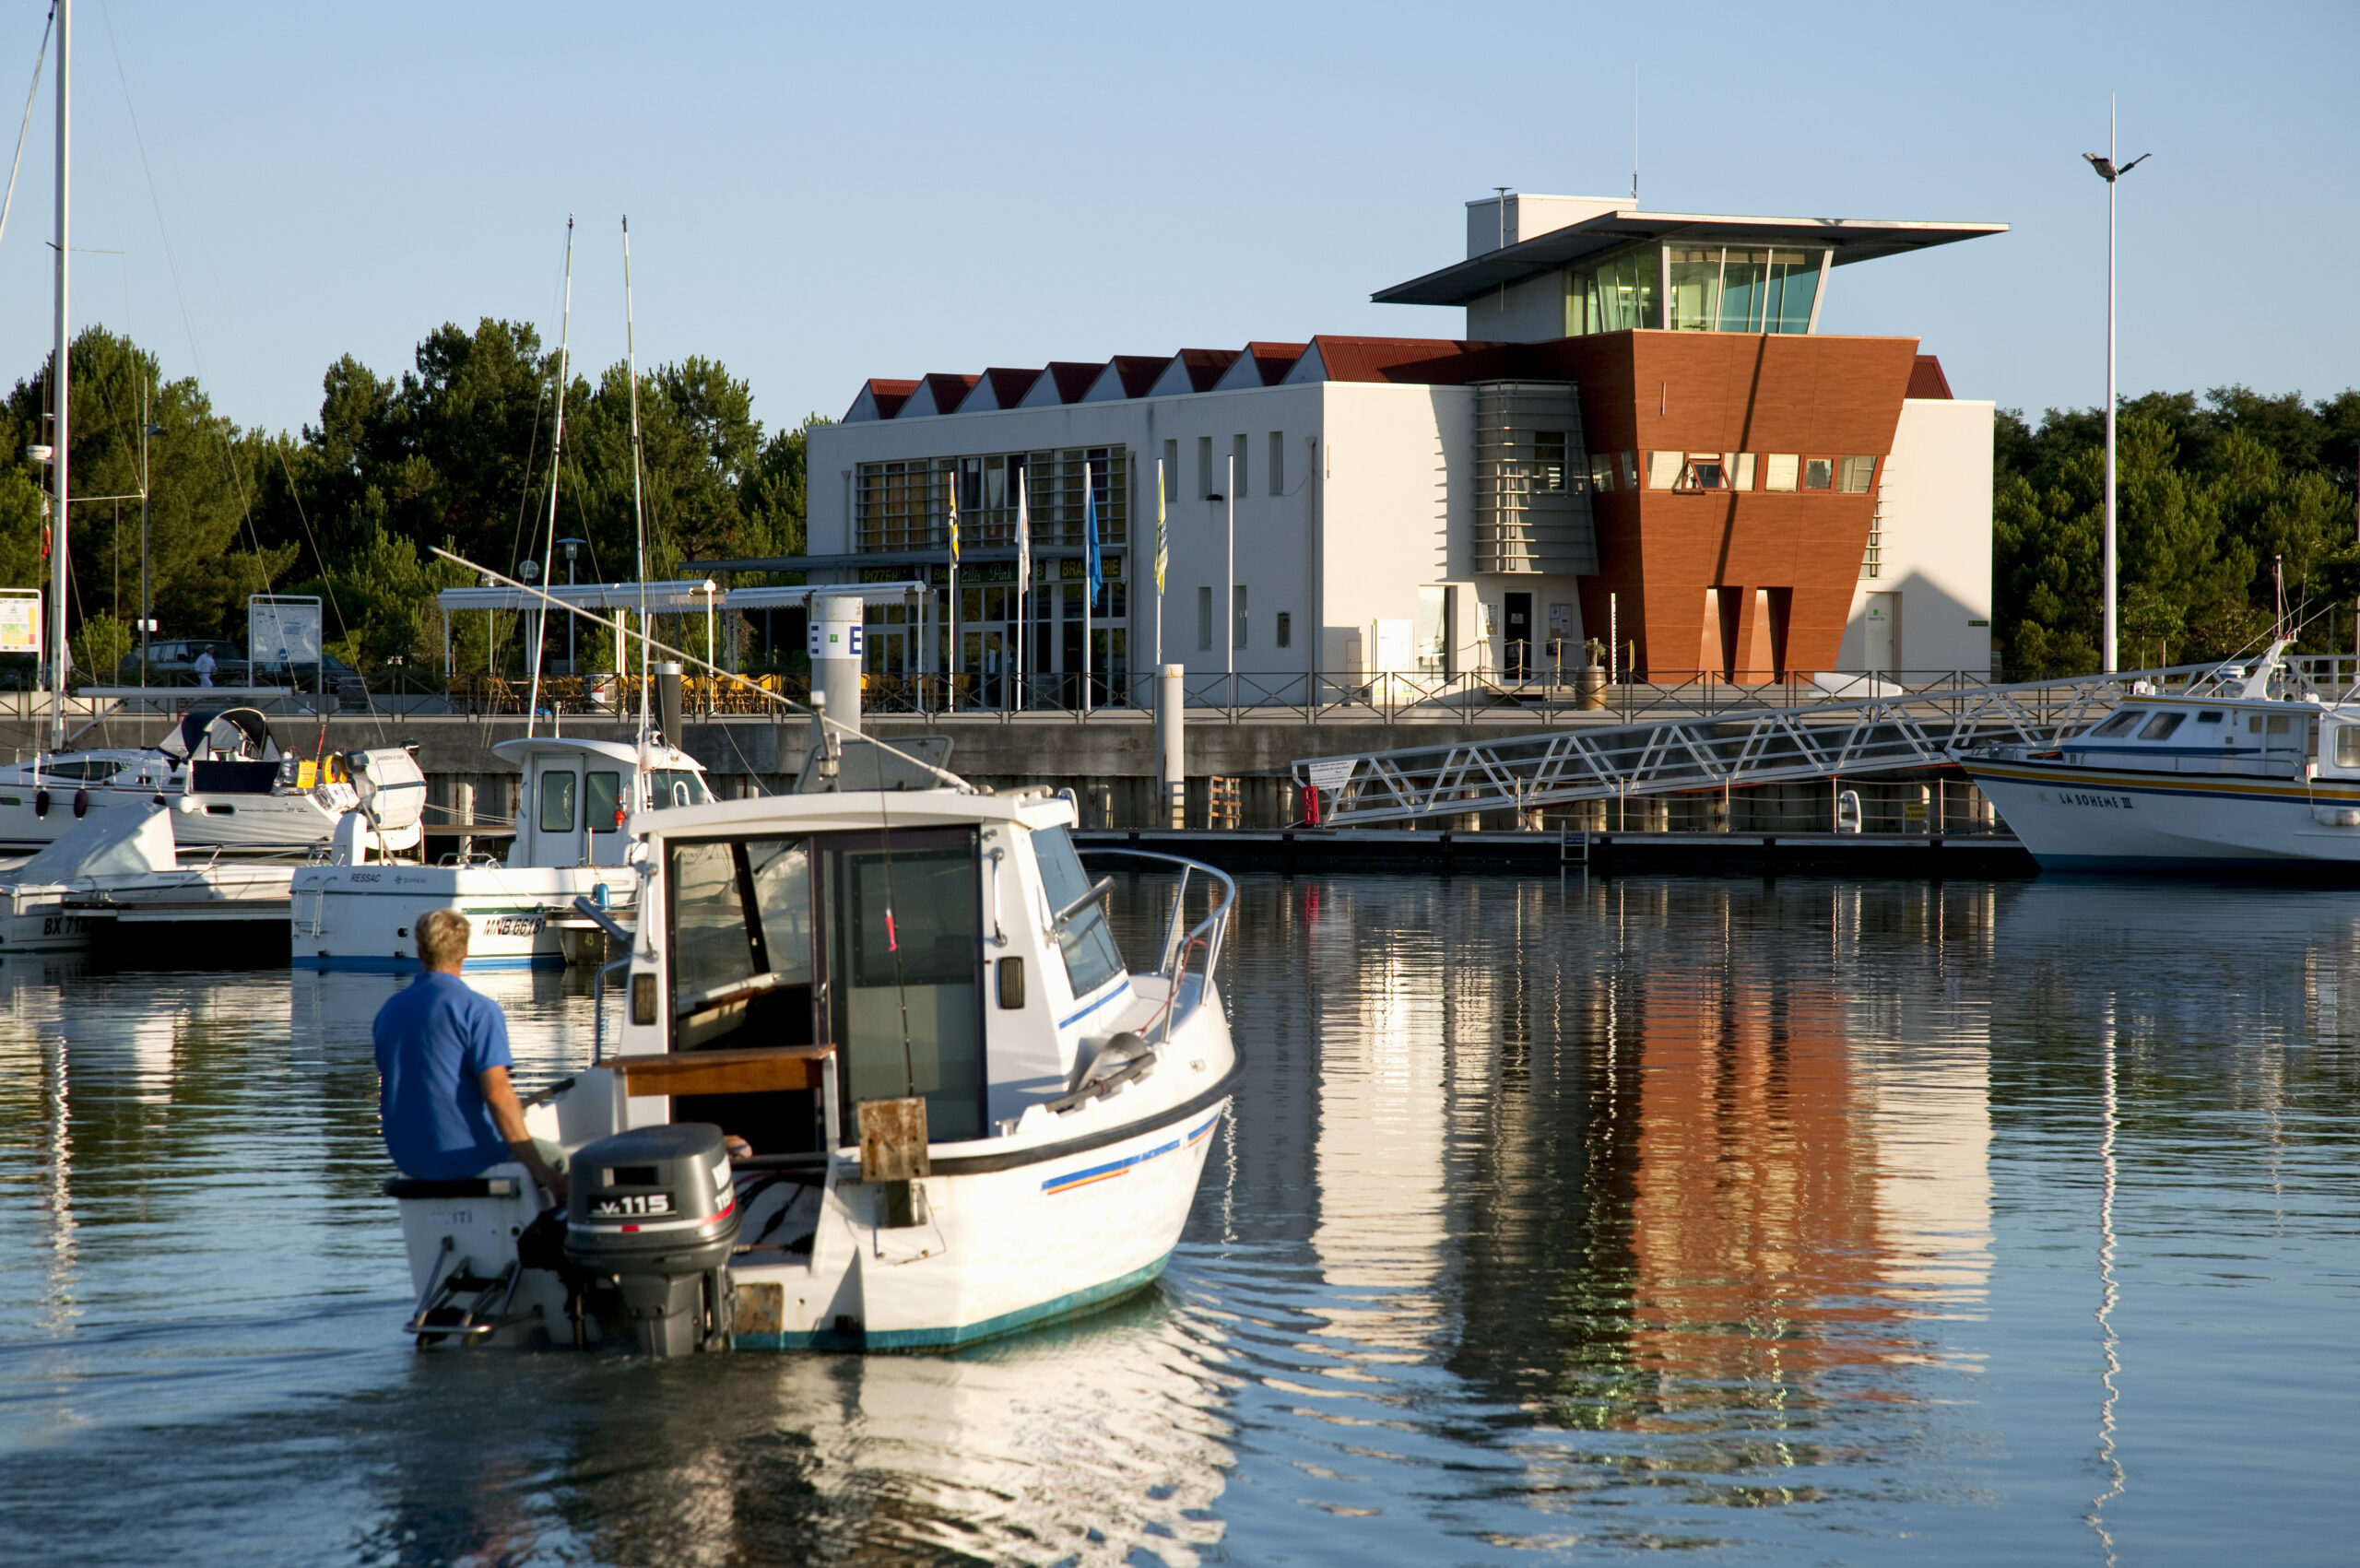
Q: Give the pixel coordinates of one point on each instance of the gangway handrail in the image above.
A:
(1875, 734)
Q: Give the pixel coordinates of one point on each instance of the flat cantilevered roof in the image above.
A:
(1853, 239)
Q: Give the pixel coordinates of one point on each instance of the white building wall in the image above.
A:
(1397, 501)
(1936, 517)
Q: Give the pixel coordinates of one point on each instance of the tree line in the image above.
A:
(2229, 503)
(454, 452)
(2226, 505)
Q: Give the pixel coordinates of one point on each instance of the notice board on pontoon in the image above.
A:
(282, 630)
(19, 621)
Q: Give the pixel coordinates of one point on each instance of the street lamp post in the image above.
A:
(2109, 171)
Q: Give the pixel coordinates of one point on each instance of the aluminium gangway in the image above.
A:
(1731, 750)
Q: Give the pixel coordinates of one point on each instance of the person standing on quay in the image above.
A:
(205, 666)
(442, 1090)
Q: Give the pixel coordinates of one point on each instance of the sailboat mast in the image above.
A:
(638, 499)
(557, 466)
(60, 434)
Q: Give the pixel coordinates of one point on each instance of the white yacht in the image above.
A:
(966, 1115)
(2246, 771)
(233, 789)
(573, 800)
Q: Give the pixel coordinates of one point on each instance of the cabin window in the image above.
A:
(905, 985)
(1092, 959)
(2347, 745)
(601, 794)
(2120, 724)
(724, 959)
(2161, 726)
(676, 787)
(557, 802)
(2210, 717)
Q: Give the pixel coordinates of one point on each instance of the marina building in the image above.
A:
(1640, 450)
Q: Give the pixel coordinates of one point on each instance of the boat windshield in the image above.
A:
(2161, 726)
(2120, 724)
(1092, 959)
(676, 787)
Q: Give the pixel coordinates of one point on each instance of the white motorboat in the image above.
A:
(120, 870)
(232, 789)
(574, 801)
(931, 967)
(2245, 771)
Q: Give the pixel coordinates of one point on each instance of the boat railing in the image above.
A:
(1176, 953)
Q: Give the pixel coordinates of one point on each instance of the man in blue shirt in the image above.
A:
(442, 1061)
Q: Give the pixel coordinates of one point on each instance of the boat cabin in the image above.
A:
(947, 946)
(576, 796)
(2193, 735)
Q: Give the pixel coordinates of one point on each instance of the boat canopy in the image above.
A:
(239, 732)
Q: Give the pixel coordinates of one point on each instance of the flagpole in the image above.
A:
(1158, 566)
(1023, 581)
(951, 700)
(1089, 574)
(1229, 609)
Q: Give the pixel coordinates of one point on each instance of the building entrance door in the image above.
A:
(1519, 652)
(1881, 646)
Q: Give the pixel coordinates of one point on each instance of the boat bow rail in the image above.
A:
(1733, 750)
(1174, 959)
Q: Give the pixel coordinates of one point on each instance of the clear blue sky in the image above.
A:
(817, 197)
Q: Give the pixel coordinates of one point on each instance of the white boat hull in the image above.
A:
(2076, 818)
(1072, 1217)
(365, 917)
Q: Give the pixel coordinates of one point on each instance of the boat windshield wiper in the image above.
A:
(1099, 889)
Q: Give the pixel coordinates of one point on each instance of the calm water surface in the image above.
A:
(1809, 1222)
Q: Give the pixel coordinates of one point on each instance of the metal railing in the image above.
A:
(1728, 749)
(1172, 952)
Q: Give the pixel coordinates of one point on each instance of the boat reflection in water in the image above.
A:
(1578, 1216)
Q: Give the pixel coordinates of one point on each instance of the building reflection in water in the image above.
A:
(1622, 1158)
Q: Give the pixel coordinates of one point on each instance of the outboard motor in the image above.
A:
(655, 1209)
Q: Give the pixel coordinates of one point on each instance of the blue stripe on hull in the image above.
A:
(357, 964)
(1072, 1304)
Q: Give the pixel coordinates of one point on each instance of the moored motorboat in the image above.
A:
(231, 788)
(2245, 771)
(575, 798)
(965, 1112)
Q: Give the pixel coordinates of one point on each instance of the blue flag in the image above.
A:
(1090, 533)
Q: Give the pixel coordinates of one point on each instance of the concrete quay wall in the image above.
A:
(1108, 761)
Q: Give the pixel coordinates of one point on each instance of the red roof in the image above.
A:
(950, 391)
(1273, 361)
(1926, 379)
(1137, 371)
(1008, 385)
(1072, 377)
(888, 395)
(1205, 366)
(1431, 361)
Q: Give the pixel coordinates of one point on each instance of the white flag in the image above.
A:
(1023, 537)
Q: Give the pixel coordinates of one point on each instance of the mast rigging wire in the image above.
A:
(32, 94)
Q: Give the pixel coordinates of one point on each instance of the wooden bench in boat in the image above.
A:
(760, 1070)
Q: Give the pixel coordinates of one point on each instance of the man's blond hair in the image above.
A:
(442, 938)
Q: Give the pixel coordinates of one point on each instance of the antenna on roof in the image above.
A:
(1634, 132)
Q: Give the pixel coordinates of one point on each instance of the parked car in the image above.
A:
(332, 672)
(173, 662)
